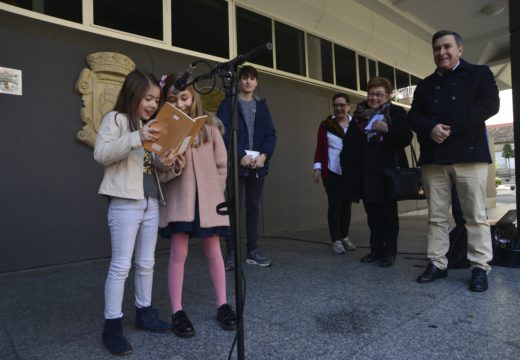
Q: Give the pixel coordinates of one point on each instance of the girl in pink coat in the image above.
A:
(190, 211)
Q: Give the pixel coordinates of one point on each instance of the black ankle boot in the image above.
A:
(226, 317)
(148, 319)
(113, 337)
(181, 325)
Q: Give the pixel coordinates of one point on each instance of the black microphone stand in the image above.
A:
(233, 199)
(228, 72)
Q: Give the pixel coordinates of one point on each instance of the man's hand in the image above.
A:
(440, 133)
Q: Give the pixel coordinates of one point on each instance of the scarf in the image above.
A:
(332, 126)
(364, 114)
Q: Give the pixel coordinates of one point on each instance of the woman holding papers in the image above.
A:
(131, 185)
(377, 136)
(190, 211)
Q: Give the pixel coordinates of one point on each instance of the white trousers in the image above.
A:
(470, 180)
(133, 225)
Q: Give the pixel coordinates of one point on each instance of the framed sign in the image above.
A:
(10, 81)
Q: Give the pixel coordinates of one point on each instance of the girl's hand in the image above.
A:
(148, 133)
(167, 159)
(180, 162)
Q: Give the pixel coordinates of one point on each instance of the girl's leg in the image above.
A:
(124, 218)
(145, 254)
(216, 268)
(178, 254)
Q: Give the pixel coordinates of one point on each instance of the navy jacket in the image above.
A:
(463, 99)
(264, 137)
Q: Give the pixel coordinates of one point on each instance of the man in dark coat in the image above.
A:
(448, 114)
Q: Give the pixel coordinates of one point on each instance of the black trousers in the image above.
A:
(383, 222)
(251, 187)
(339, 210)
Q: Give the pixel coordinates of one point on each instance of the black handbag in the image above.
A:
(404, 183)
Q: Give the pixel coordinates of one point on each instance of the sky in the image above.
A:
(505, 114)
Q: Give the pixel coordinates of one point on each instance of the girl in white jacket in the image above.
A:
(131, 184)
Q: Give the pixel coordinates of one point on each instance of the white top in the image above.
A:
(335, 145)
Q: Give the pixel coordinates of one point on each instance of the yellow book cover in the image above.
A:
(178, 130)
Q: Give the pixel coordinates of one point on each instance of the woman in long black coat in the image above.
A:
(377, 136)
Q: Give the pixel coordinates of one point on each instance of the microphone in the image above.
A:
(181, 82)
(240, 59)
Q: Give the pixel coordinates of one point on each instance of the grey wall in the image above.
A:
(50, 212)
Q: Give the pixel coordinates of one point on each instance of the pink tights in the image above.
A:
(178, 254)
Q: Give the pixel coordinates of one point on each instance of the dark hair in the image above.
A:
(377, 81)
(248, 70)
(441, 33)
(341, 95)
(132, 92)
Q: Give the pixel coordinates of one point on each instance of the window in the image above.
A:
(290, 49)
(254, 30)
(387, 71)
(319, 53)
(371, 68)
(130, 16)
(201, 25)
(402, 79)
(414, 80)
(363, 78)
(345, 60)
(67, 10)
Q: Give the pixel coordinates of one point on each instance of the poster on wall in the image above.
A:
(10, 81)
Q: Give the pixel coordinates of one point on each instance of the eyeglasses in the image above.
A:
(377, 95)
(339, 105)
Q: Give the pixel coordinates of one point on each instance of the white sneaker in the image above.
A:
(337, 247)
(347, 244)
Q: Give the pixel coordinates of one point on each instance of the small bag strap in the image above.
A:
(414, 157)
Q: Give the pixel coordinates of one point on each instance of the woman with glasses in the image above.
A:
(377, 137)
(327, 167)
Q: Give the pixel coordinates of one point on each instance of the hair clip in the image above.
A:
(163, 81)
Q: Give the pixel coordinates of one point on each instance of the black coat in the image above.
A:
(463, 99)
(362, 162)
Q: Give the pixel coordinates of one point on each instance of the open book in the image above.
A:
(178, 130)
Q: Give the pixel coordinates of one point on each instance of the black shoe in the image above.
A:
(113, 337)
(226, 317)
(478, 280)
(181, 325)
(432, 273)
(387, 260)
(371, 257)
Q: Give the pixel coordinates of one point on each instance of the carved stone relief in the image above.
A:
(99, 87)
